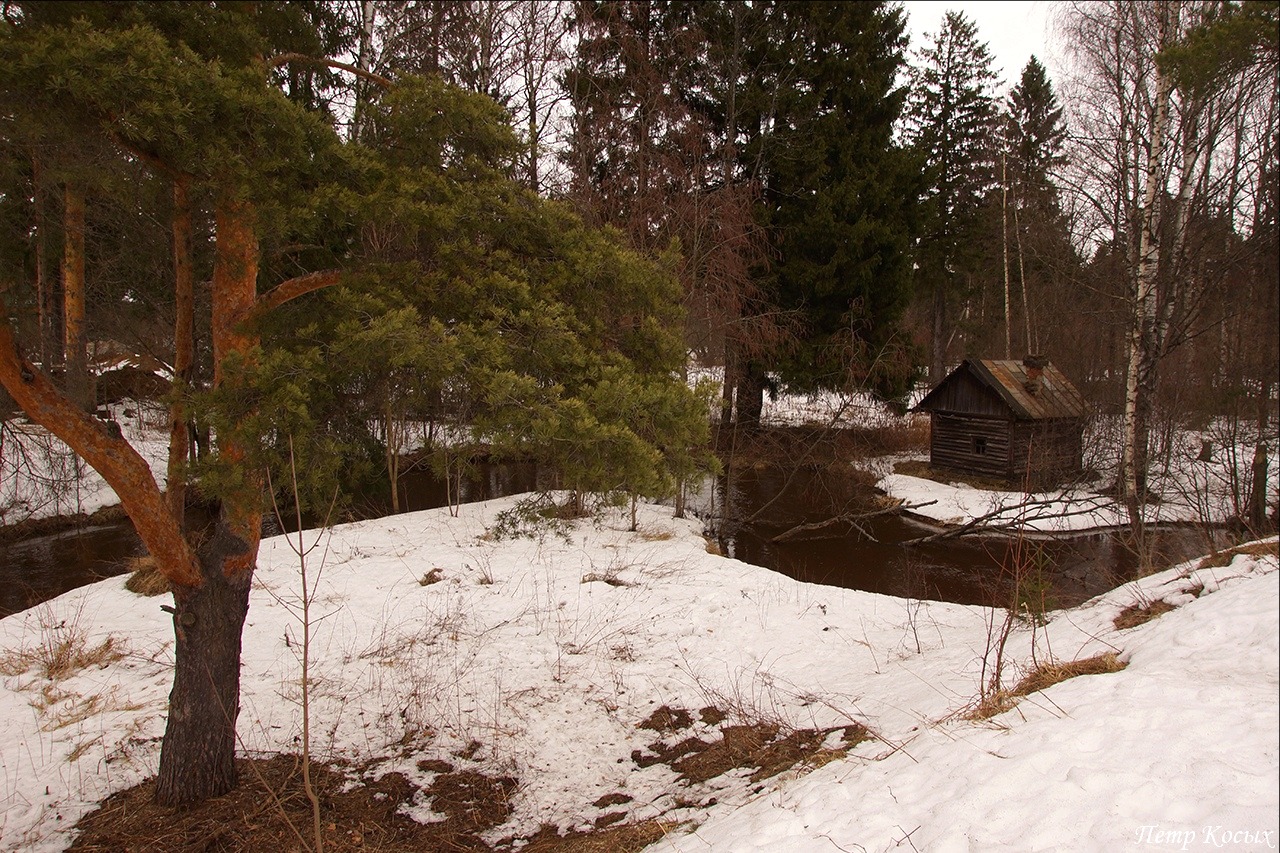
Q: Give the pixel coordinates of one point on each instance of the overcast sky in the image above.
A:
(1012, 30)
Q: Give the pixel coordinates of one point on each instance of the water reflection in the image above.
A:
(753, 506)
(747, 508)
(40, 568)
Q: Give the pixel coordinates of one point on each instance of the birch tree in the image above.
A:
(1151, 151)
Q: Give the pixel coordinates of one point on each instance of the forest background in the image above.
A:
(328, 220)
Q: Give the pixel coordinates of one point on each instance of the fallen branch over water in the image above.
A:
(853, 520)
(1026, 511)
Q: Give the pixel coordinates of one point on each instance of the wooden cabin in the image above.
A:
(1020, 422)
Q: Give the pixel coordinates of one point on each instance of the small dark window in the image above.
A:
(980, 445)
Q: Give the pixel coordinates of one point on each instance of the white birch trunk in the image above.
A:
(1139, 354)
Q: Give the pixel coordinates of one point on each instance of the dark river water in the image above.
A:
(1059, 572)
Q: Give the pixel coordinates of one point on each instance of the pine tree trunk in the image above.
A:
(1004, 246)
(46, 299)
(197, 756)
(1258, 491)
(729, 383)
(75, 335)
(183, 350)
(938, 366)
(392, 444)
(750, 398)
(1030, 344)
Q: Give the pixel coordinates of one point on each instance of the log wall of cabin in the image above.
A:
(1049, 450)
(954, 442)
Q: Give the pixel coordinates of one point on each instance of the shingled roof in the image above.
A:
(1053, 397)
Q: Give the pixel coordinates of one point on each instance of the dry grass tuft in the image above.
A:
(1138, 614)
(1255, 549)
(145, 579)
(1050, 674)
(1044, 676)
(991, 705)
(628, 838)
(610, 577)
(62, 651)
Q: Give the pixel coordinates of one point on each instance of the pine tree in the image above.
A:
(212, 98)
(951, 122)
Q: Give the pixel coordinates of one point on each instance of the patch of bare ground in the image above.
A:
(269, 812)
(628, 838)
(923, 470)
(1141, 613)
(1253, 549)
(766, 747)
(31, 527)
(1042, 677)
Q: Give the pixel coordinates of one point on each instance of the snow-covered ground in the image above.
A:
(548, 650)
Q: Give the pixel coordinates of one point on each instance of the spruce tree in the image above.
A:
(951, 122)
(839, 194)
(1042, 258)
(1036, 136)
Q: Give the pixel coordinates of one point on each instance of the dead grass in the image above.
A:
(263, 812)
(610, 577)
(913, 437)
(1138, 614)
(1049, 674)
(362, 813)
(629, 838)
(667, 720)
(68, 710)
(268, 810)
(145, 579)
(1223, 559)
(1041, 678)
(62, 651)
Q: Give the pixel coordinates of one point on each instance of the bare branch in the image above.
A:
(852, 519)
(302, 59)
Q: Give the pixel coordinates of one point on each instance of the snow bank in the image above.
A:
(548, 650)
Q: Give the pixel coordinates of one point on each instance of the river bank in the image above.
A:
(466, 645)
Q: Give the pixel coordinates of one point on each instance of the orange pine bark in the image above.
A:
(118, 463)
(235, 289)
(75, 340)
(183, 346)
